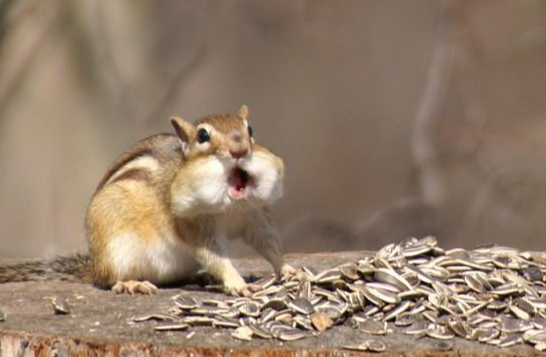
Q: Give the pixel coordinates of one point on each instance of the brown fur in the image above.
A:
(123, 206)
(224, 123)
(133, 198)
(230, 126)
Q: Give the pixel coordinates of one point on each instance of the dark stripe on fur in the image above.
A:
(122, 161)
(132, 174)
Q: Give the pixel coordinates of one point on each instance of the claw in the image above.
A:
(252, 288)
(241, 288)
(245, 292)
(249, 289)
(287, 272)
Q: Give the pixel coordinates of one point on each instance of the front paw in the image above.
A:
(238, 287)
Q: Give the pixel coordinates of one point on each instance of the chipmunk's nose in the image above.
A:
(238, 138)
(239, 153)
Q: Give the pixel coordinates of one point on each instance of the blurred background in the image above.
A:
(395, 118)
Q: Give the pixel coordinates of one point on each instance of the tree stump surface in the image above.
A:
(101, 323)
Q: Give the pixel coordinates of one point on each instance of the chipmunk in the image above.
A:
(164, 208)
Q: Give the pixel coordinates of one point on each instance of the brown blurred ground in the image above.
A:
(395, 118)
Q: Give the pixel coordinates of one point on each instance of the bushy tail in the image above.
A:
(76, 268)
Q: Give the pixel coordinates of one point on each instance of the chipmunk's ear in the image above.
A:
(183, 129)
(243, 112)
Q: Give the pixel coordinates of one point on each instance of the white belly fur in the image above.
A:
(159, 261)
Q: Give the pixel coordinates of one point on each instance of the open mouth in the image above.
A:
(238, 181)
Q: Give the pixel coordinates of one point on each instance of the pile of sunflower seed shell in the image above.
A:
(494, 295)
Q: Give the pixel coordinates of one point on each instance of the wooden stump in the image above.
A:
(101, 323)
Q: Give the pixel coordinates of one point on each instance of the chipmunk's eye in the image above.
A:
(202, 136)
(250, 131)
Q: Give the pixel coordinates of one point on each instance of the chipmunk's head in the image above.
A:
(224, 167)
(226, 135)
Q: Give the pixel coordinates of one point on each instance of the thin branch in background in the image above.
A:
(5, 6)
(405, 217)
(110, 64)
(172, 87)
(480, 202)
(411, 215)
(425, 155)
(177, 81)
(533, 39)
(12, 85)
(471, 50)
(493, 199)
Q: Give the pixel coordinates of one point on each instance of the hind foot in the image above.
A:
(134, 287)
